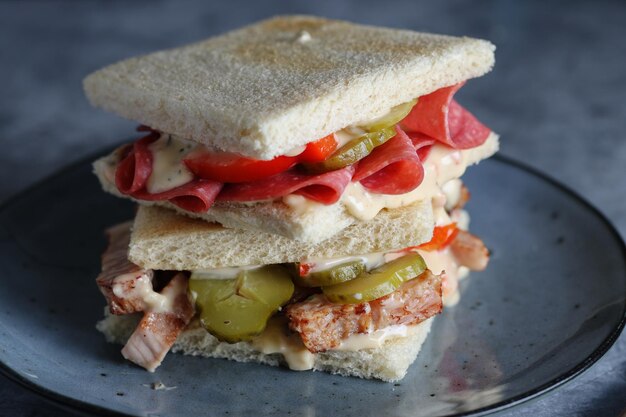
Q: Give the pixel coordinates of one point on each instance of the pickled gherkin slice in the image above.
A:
(351, 152)
(238, 309)
(235, 318)
(378, 132)
(333, 276)
(213, 289)
(271, 285)
(377, 283)
(392, 118)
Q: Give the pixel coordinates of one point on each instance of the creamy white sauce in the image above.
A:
(223, 273)
(347, 134)
(276, 338)
(452, 192)
(442, 165)
(300, 205)
(461, 218)
(168, 169)
(371, 261)
(375, 339)
(443, 262)
(141, 289)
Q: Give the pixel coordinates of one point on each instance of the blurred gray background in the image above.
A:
(557, 96)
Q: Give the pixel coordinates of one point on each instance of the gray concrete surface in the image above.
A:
(557, 96)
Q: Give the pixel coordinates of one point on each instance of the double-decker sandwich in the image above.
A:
(314, 165)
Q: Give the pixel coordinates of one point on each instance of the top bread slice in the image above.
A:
(164, 240)
(268, 88)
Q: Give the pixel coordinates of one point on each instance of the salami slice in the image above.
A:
(196, 196)
(465, 129)
(437, 115)
(391, 168)
(324, 188)
(135, 168)
(422, 143)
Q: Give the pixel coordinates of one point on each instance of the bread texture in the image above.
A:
(388, 362)
(271, 87)
(164, 240)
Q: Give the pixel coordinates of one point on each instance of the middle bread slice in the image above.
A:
(164, 240)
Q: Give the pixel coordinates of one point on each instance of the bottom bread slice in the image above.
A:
(388, 362)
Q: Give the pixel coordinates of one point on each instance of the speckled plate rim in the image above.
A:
(70, 403)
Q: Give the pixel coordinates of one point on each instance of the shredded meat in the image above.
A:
(130, 289)
(323, 325)
(157, 331)
(121, 281)
(470, 251)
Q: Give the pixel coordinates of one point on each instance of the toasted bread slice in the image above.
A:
(164, 240)
(276, 85)
(388, 362)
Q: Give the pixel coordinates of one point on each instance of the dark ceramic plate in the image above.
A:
(542, 313)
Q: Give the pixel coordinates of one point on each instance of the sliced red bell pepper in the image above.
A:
(232, 168)
(319, 150)
(228, 167)
(442, 237)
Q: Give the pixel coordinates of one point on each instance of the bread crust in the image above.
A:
(273, 86)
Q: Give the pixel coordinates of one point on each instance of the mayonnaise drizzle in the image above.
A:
(442, 165)
(168, 169)
(141, 289)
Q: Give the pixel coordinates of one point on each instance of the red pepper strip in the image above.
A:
(304, 268)
(319, 150)
(228, 167)
(442, 237)
(232, 168)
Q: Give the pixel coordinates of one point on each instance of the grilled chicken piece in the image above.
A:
(470, 251)
(129, 289)
(158, 330)
(324, 325)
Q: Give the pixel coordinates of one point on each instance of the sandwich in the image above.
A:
(299, 192)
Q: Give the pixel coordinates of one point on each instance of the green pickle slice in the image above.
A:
(377, 283)
(333, 276)
(271, 285)
(238, 309)
(392, 118)
(351, 152)
(378, 132)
